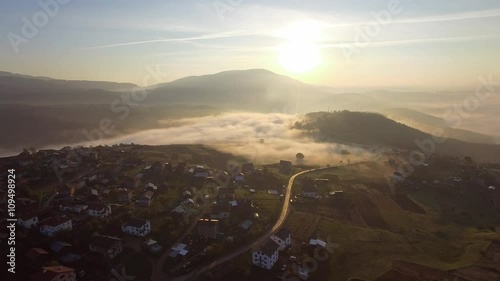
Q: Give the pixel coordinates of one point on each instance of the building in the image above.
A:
(226, 193)
(222, 211)
(36, 256)
(309, 191)
(285, 166)
(54, 225)
(266, 256)
(123, 195)
(247, 167)
(283, 238)
(208, 228)
(99, 210)
(27, 221)
(107, 246)
(137, 227)
(152, 246)
(239, 177)
(146, 199)
(200, 172)
(79, 208)
(55, 273)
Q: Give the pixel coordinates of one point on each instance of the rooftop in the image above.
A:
(283, 233)
(269, 248)
(137, 223)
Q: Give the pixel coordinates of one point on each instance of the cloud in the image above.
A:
(261, 138)
(229, 34)
(389, 43)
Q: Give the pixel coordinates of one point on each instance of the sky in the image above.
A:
(375, 44)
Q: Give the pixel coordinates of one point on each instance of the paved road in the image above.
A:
(281, 220)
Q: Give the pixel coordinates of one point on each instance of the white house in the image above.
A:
(283, 238)
(266, 256)
(137, 227)
(99, 210)
(53, 225)
(27, 221)
(272, 192)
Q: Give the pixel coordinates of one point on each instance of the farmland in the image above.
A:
(437, 227)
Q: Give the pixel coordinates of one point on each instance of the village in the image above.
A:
(163, 212)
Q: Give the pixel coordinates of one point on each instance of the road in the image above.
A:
(285, 210)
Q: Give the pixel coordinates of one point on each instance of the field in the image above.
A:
(302, 225)
(438, 227)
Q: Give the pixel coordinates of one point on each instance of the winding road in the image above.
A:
(285, 210)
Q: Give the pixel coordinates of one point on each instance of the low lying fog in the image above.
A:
(261, 138)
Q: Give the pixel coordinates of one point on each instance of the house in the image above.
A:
(200, 172)
(151, 187)
(187, 194)
(107, 246)
(285, 166)
(222, 211)
(208, 228)
(27, 220)
(123, 195)
(399, 177)
(309, 191)
(137, 227)
(152, 246)
(283, 238)
(92, 177)
(36, 256)
(55, 273)
(239, 177)
(78, 184)
(145, 201)
(188, 201)
(226, 193)
(272, 192)
(246, 224)
(73, 208)
(60, 248)
(179, 249)
(317, 242)
(54, 225)
(266, 256)
(99, 210)
(321, 182)
(247, 168)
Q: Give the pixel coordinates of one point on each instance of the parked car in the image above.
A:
(283, 268)
(292, 258)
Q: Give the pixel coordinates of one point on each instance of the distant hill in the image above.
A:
(15, 88)
(428, 123)
(256, 90)
(378, 130)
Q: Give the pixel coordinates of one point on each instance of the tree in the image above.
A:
(300, 156)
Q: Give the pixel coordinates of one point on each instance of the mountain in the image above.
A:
(377, 130)
(428, 123)
(255, 90)
(16, 88)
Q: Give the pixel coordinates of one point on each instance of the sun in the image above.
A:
(300, 53)
(299, 57)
